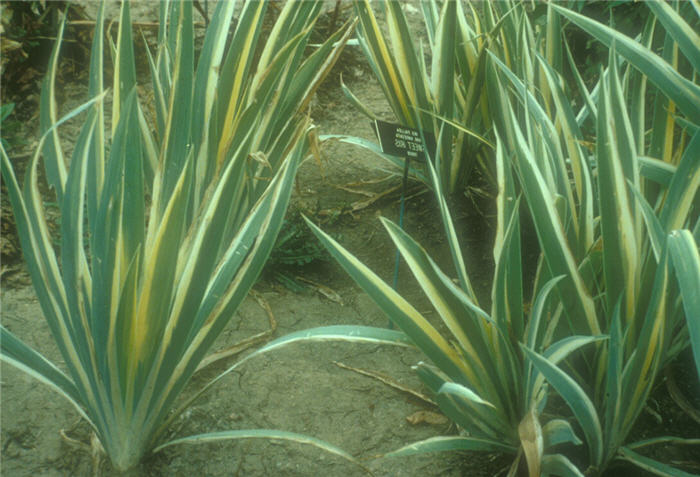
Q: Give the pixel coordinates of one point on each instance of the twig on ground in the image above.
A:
(389, 382)
(322, 289)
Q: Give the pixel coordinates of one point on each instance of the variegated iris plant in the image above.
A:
(616, 217)
(477, 371)
(447, 97)
(164, 228)
(442, 102)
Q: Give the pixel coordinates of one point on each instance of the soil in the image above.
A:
(300, 388)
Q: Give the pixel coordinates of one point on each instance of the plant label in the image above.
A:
(402, 141)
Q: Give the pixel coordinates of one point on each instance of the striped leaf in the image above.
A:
(686, 262)
(576, 399)
(616, 164)
(263, 434)
(450, 443)
(683, 92)
(399, 311)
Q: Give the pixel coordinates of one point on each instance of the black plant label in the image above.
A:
(402, 141)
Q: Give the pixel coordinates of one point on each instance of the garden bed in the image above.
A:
(304, 388)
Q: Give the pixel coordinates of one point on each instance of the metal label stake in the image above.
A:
(402, 141)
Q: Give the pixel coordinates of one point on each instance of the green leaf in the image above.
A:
(452, 239)
(656, 170)
(686, 262)
(55, 163)
(657, 235)
(576, 298)
(482, 420)
(454, 304)
(507, 289)
(125, 66)
(177, 142)
(462, 392)
(583, 227)
(684, 93)
(684, 186)
(536, 315)
(95, 88)
(558, 464)
(560, 350)
(488, 366)
(15, 352)
(577, 400)
(206, 81)
(443, 82)
(589, 107)
(408, 62)
(559, 431)
(76, 277)
(399, 311)
(651, 465)
(356, 101)
(663, 440)
(382, 62)
(616, 156)
(6, 110)
(614, 412)
(262, 434)
(450, 443)
(687, 38)
(346, 333)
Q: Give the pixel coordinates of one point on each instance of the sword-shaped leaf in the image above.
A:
(263, 434)
(683, 92)
(686, 262)
(399, 311)
(576, 399)
(450, 443)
